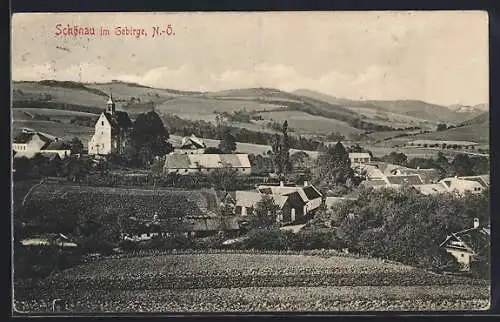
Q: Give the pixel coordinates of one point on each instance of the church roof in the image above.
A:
(118, 119)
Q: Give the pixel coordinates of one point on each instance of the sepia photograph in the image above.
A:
(246, 162)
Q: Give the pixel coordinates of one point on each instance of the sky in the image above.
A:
(438, 57)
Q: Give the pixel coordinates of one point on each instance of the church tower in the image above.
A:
(110, 105)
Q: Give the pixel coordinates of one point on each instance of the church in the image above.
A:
(112, 131)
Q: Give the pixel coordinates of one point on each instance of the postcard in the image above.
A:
(243, 162)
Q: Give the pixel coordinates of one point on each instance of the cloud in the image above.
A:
(374, 82)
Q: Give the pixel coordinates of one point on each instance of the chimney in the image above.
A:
(476, 222)
(306, 183)
(282, 184)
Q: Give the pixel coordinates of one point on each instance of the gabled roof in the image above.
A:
(306, 193)
(431, 188)
(210, 161)
(250, 199)
(118, 119)
(57, 145)
(412, 179)
(475, 240)
(483, 180)
(460, 184)
(359, 155)
(27, 135)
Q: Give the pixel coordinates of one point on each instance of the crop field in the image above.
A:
(59, 94)
(51, 112)
(76, 200)
(250, 282)
(61, 130)
(303, 123)
(198, 108)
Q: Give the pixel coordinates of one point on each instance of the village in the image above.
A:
(288, 205)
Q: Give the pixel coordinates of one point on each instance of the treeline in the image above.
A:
(204, 129)
(35, 104)
(460, 165)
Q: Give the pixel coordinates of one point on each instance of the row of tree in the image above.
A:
(460, 165)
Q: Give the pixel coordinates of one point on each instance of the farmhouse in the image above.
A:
(48, 240)
(469, 246)
(393, 181)
(461, 186)
(359, 158)
(189, 226)
(205, 163)
(456, 184)
(28, 143)
(483, 180)
(290, 206)
(190, 145)
(443, 144)
(311, 196)
(112, 131)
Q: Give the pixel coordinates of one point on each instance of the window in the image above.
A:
(461, 255)
(186, 170)
(102, 123)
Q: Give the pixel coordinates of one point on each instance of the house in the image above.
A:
(63, 149)
(431, 188)
(205, 163)
(412, 179)
(469, 245)
(393, 181)
(190, 145)
(48, 240)
(371, 172)
(111, 131)
(311, 196)
(290, 206)
(427, 175)
(483, 180)
(462, 186)
(359, 157)
(30, 142)
(189, 226)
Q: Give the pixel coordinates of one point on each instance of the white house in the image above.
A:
(359, 157)
(190, 145)
(311, 196)
(29, 142)
(461, 186)
(205, 163)
(468, 245)
(112, 131)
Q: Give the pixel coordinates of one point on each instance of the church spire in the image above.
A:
(110, 105)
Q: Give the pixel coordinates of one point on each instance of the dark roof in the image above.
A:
(119, 119)
(57, 145)
(475, 239)
(408, 179)
(25, 137)
(311, 193)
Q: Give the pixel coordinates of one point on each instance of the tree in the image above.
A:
(333, 166)
(441, 127)
(150, 137)
(212, 150)
(285, 150)
(227, 143)
(462, 165)
(76, 145)
(264, 214)
(395, 158)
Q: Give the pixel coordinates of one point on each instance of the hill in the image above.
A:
(481, 119)
(418, 111)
